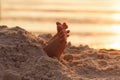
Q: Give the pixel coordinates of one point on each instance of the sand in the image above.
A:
(22, 58)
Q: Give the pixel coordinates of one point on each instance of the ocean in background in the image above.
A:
(92, 22)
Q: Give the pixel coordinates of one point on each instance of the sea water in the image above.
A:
(91, 22)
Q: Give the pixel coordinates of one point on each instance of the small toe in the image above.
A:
(65, 26)
(59, 27)
(68, 31)
(58, 23)
(68, 35)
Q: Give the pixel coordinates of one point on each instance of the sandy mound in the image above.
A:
(22, 58)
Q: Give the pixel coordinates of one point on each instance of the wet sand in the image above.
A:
(22, 58)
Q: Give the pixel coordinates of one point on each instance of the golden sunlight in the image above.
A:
(115, 45)
(116, 17)
(116, 7)
(116, 28)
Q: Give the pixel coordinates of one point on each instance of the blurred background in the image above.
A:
(92, 22)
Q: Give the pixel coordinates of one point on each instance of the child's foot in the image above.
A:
(63, 34)
(57, 44)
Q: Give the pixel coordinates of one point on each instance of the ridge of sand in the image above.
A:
(22, 58)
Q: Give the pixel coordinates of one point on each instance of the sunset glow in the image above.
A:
(114, 42)
(92, 22)
(115, 45)
(116, 17)
(116, 29)
(116, 7)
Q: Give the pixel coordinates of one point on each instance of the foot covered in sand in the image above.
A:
(57, 44)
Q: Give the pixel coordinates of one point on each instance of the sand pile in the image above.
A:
(22, 58)
(95, 64)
